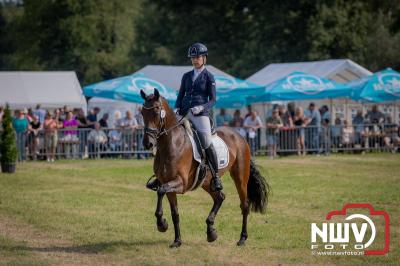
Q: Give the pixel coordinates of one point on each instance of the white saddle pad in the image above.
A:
(220, 148)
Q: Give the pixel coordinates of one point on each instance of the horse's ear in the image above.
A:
(156, 94)
(143, 94)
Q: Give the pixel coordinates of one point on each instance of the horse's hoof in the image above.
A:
(176, 244)
(212, 235)
(241, 242)
(163, 226)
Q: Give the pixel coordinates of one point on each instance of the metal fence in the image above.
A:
(127, 143)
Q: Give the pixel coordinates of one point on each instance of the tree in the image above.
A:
(8, 148)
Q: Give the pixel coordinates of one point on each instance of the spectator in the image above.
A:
(358, 123)
(115, 135)
(223, 119)
(274, 123)
(325, 136)
(336, 133)
(237, 123)
(20, 124)
(127, 125)
(375, 116)
(249, 111)
(28, 114)
(314, 127)
(40, 113)
(325, 114)
(97, 140)
(285, 116)
(291, 108)
(83, 130)
(299, 121)
(33, 138)
(70, 138)
(347, 135)
(50, 126)
(103, 121)
(391, 137)
(92, 117)
(58, 117)
(252, 123)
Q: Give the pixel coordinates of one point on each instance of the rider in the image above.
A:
(197, 96)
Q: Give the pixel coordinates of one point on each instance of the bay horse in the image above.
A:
(175, 167)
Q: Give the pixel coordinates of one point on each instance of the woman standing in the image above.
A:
(50, 126)
(299, 122)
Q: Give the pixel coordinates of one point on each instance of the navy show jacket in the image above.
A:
(199, 92)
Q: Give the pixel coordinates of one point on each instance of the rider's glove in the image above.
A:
(197, 109)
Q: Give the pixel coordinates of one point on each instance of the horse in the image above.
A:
(175, 167)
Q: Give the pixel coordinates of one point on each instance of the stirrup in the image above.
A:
(153, 185)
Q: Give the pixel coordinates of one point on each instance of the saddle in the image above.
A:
(202, 168)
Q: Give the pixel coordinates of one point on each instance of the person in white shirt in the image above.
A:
(97, 140)
(252, 123)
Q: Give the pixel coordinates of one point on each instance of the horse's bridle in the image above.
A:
(158, 132)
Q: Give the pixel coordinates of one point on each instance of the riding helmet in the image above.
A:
(197, 49)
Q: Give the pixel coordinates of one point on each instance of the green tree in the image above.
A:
(8, 148)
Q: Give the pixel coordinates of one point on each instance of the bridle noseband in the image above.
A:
(158, 132)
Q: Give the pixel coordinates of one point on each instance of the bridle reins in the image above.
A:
(158, 132)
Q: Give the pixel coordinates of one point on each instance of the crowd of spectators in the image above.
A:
(290, 128)
(72, 134)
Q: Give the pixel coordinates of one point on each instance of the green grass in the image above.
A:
(99, 212)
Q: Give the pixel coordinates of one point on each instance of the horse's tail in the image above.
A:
(257, 190)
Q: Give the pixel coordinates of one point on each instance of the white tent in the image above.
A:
(171, 76)
(49, 88)
(340, 70)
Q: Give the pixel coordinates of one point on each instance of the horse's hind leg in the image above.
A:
(162, 224)
(218, 198)
(240, 172)
(173, 202)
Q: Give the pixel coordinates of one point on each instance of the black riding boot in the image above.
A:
(213, 163)
(153, 185)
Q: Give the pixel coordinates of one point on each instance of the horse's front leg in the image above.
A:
(162, 224)
(171, 188)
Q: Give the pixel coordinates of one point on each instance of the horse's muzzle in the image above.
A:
(148, 142)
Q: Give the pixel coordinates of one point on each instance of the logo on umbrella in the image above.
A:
(142, 83)
(390, 83)
(306, 84)
(107, 85)
(225, 83)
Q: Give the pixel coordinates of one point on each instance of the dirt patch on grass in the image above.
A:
(52, 250)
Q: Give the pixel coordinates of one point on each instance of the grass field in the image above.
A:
(98, 212)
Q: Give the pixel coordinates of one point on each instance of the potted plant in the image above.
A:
(8, 148)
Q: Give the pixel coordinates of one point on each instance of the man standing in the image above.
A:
(314, 127)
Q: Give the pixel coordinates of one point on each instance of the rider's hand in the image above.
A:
(197, 109)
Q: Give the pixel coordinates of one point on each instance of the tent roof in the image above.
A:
(171, 76)
(49, 88)
(340, 70)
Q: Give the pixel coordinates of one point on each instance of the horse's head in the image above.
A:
(154, 112)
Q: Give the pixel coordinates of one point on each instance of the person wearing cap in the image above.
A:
(196, 97)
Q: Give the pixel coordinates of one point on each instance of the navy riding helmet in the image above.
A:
(197, 49)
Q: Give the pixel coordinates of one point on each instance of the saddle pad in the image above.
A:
(220, 148)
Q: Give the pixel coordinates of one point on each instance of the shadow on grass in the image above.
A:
(89, 248)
